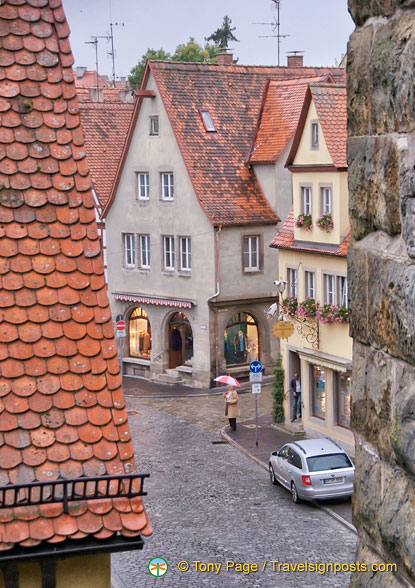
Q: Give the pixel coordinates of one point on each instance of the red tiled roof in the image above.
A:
(284, 239)
(105, 126)
(62, 412)
(89, 79)
(283, 101)
(225, 186)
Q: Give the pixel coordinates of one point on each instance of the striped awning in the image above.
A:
(153, 300)
(333, 362)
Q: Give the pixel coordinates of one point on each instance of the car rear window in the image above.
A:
(334, 461)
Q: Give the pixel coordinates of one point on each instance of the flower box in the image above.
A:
(325, 222)
(304, 221)
(333, 313)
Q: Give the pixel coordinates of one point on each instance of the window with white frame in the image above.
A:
(343, 291)
(251, 253)
(310, 284)
(314, 134)
(129, 250)
(144, 241)
(168, 253)
(143, 185)
(326, 200)
(154, 125)
(167, 186)
(207, 121)
(185, 254)
(306, 199)
(291, 282)
(329, 289)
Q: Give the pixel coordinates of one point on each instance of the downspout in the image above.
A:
(215, 310)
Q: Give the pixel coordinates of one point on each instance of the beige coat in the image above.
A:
(233, 404)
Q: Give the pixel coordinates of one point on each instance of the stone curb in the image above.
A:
(231, 441)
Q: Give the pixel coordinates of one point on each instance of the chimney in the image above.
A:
(295, 59)
(224, 58)
(80, 71)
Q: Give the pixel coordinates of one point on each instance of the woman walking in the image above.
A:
(231, 406)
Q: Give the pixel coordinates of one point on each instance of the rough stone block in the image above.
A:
(368, 578)
(383, 99)
(357, 278)
(403, 418)
(361, 10)
(373, 185)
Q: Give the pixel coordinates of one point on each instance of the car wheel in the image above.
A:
(272, 475)
(294, 493)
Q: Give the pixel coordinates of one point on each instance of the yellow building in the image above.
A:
(312, 247)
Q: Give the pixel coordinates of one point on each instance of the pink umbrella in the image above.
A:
(227, 380)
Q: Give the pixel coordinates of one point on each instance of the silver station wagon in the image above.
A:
(312, 469)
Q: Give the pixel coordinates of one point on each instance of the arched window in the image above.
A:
(140, 334)
(241, 340)
(180, 341)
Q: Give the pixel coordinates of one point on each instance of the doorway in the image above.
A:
(294, 366)
(180, 341)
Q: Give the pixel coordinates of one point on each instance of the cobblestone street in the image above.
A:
(210, 503)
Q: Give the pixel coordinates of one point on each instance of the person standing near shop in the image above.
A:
(296, 390)
(231, 406)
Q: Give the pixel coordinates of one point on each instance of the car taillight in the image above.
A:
(306, 480)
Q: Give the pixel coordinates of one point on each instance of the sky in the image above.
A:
(319, 28)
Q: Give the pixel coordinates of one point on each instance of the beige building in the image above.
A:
(312, 248)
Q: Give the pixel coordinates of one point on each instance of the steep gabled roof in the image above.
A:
(62, 411)
(284, 239)
(225, 186)
(283, 101)
(331, 105)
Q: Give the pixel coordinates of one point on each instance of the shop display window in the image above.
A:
(241, 341)
(343, 392)
(140, 334)
(318, 391)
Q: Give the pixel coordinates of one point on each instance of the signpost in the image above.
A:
(120, 332)
(255, 376)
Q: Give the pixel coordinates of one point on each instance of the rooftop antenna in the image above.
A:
(275, 24)
(94, 41)
(110, 37)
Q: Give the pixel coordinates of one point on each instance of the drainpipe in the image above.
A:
(214, 296)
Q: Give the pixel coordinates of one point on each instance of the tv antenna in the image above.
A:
(275, 24)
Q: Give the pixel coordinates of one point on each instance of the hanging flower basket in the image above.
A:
(289, 306)
(325, 222)
(304, 221)
(333, 313)
(307, 308)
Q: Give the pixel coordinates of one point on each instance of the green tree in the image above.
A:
(224, 34)
(278, 392)
(136, 74)
(192, 51)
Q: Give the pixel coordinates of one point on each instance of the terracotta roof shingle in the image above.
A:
(331, 106)
(62, 411)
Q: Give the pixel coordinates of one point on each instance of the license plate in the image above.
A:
(334, 481)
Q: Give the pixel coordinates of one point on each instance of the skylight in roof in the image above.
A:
(207, 120)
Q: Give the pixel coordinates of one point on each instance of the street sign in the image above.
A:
(120, 330)
(256, 388)
(255, 377)
(118, 318)
(282, 330)
(255, 367)
(120, 325)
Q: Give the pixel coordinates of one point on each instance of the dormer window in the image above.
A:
(207, 121)
(314, 134)
(154, 125)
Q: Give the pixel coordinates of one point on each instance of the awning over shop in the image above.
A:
(153, 300)
(338, 364)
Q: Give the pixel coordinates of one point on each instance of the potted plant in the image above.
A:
(307, 308)
(304, 221)
(289, 306)
(325, 222)
(333, 313)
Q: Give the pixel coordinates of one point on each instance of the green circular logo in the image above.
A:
(157, 567)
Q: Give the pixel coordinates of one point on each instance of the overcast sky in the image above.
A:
(320, 28)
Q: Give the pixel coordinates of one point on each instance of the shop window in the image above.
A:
(140, 334)
(318, 391)
(343, 395)
(180, 341)
(241, 339)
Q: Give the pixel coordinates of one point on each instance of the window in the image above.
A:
(326, 200)
(310, 284)
(318, 391)
(343, 382)
(207, 120)
(143, 188)
(251, 253)
(306, 200)
(334, 461)
(294, 459)
(154, 125)
(343, 291)
(168, 253)
(329, 289)
(167, 186)
(139, 334)
(129, 250)
(314, 135)
(144, 241)
(291, 282)
(240, 339)
(185, 254)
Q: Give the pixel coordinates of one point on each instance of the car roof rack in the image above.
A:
(335, 443)
(298, 445)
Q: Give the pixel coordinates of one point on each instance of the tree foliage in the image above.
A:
(136, 74)
(278, 394)
(223, 34)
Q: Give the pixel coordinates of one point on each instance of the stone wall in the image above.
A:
(381, 151)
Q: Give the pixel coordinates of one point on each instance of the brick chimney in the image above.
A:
(295, 60)
(224, 58)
